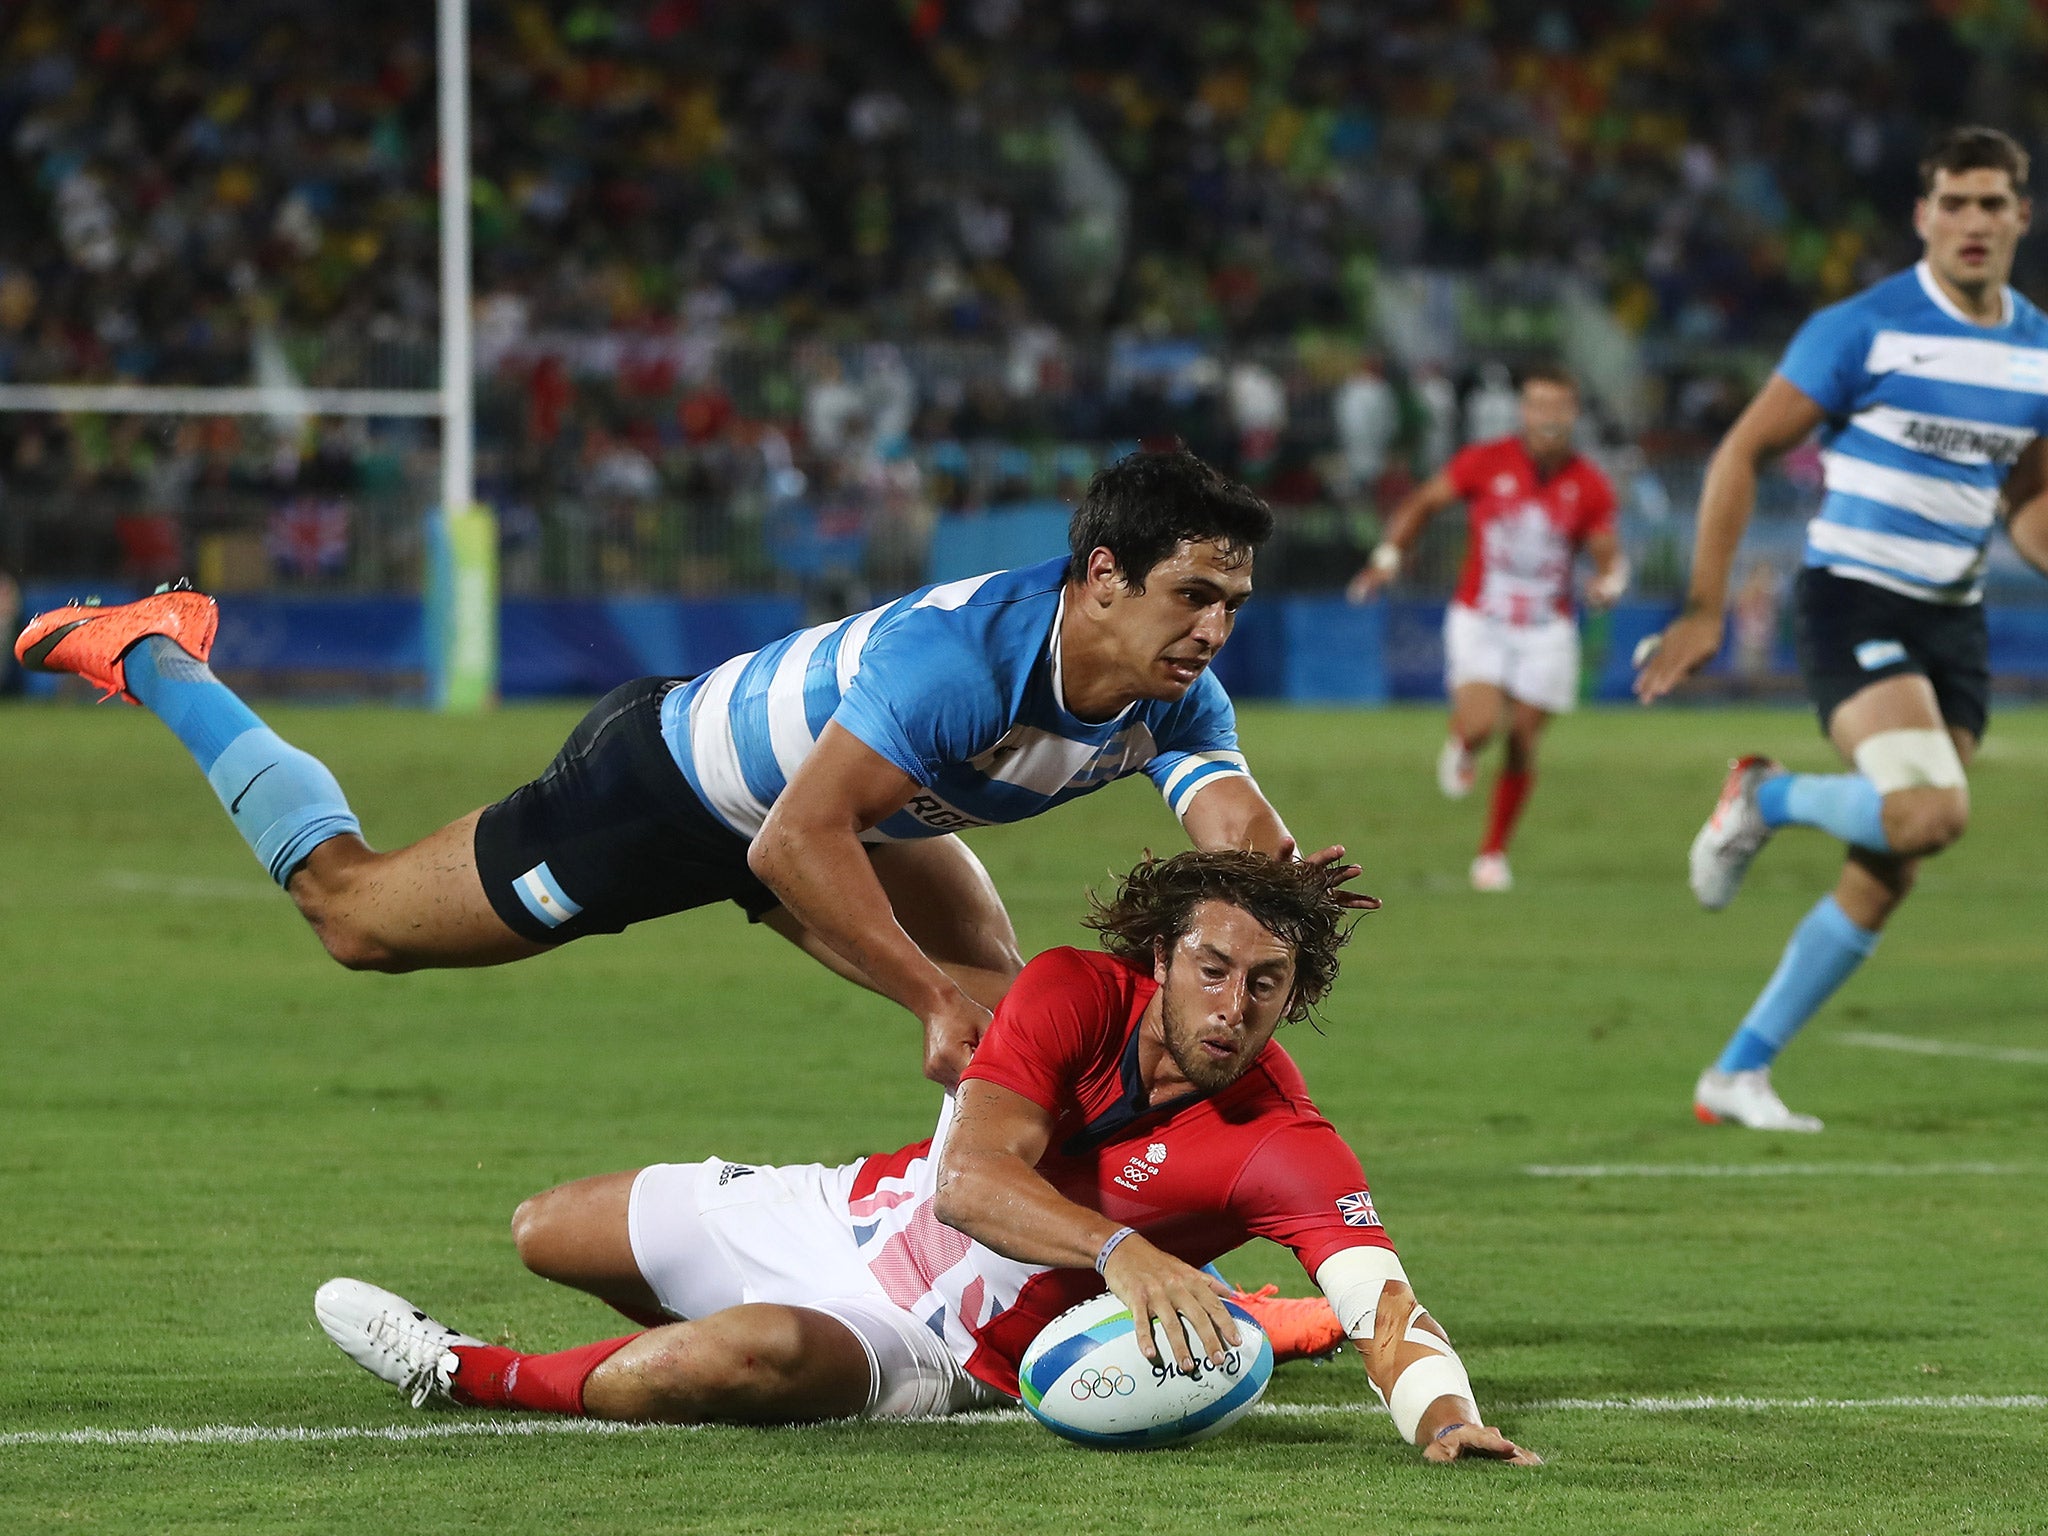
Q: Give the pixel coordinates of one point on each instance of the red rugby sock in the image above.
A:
(1509, 791)
(492, 1376)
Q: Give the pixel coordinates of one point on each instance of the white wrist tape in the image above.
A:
(1386, 558)
(1922, 758)
(1353, 1279)
(1608, 588)
(1433, 1376)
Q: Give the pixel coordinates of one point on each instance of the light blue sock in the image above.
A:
(1824, 951)
(283, 801)
(1845, 804)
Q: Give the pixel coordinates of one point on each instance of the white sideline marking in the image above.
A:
(1773, 1170)
(1915, 1046)
(134, 882)
(267, 1434)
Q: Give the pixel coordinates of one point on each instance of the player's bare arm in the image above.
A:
(2025, 505)
(1610, 570)
(1234, 813)
(989, 1187)
(1404, 526)
(810, 854)
(1780, 417)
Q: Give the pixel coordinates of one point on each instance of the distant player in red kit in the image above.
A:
(1511, 646)
(1126, 1118)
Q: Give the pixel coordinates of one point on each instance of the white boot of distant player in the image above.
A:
(1746, 1098)
(1454, 770)
(1490, 872)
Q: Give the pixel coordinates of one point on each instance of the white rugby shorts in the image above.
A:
(715, 1234)
(1534, 663)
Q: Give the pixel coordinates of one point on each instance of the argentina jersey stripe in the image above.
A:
(957, 686)
(1927, 413)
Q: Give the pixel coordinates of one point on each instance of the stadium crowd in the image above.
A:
(732, 259)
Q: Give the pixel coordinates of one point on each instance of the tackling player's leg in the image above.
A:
(418, 906)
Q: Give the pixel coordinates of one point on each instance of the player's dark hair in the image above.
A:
(1295, 902)
(1143, 506)
(1974, 147)
(1550, 373)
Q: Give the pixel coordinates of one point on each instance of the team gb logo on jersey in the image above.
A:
(1139, 1169)
(1357, 1210)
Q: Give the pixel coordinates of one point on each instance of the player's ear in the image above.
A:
(1104, 580)
(1162, 956)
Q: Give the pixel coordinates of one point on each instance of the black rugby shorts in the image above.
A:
(1853, 634)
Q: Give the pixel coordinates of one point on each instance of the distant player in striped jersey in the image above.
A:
(1930, 391)
(815, 783)
(1128, 1118)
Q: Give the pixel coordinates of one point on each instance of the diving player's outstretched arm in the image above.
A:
(2024, 500)
(810, 854)
(1778, 418)
(1409, 1360)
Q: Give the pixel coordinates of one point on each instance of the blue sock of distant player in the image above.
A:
(283, 801)
(1824, 952)
(1845, 804)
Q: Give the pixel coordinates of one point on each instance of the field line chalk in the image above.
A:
(454, 1429)
(1916, 1046)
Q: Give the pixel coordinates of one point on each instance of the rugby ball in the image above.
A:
(1083, 1378)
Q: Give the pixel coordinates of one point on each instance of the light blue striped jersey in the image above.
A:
(959, 686)
(1927, 413)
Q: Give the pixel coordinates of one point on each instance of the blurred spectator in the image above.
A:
(1493, 409)
(1367, 419)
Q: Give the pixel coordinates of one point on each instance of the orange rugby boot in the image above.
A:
(89, 641)
(1301, 1327)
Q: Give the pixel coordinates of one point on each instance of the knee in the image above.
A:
(534, 1233)
(1924, 821)
(355, 950)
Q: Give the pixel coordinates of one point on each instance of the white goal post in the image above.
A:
(461, 568)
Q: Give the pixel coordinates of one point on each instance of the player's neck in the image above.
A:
(1547, 464)
(1087, 683)
(1980, 303)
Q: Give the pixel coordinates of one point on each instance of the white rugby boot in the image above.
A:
(1490, 872)
(1745, 1098)
(390, 1338)
(1454, 770)
(1733, 835)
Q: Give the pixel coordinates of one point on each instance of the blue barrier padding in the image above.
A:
(1000, 539)
(2019, 642)
(1335, 651)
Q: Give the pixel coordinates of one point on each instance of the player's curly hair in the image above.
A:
(1294, 902)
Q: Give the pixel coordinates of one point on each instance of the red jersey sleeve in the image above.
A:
(1303, 1188)
(1467, 470)
(1597, 507)
(1046, 1028)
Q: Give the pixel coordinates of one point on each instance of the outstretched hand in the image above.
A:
(1479, 1442)
(1339, 874)
(1664, 661)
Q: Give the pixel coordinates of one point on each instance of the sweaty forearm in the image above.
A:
(1008, 1207)
(2027, 527)
(825, 880)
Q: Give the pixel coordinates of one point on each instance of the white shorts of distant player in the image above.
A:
(715, 1234)
(1535, 663)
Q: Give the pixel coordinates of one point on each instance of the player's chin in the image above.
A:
(1177, 677)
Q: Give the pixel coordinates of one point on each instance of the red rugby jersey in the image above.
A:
(1524, 529)
(1197, 1176)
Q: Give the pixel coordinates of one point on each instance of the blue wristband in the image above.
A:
(1109, 1246)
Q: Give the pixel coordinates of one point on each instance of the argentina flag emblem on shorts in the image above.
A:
(1872, 654)
(543, 896)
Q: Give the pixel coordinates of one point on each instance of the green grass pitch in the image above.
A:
(201, 1118)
